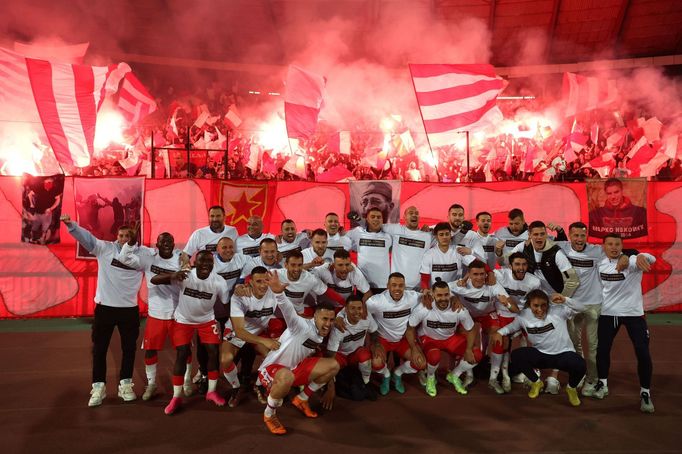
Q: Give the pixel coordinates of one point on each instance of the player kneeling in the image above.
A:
(551, 348)
(437, 330)
(292, 364)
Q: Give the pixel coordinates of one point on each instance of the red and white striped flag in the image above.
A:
(587, 93)
(455, 98)
(60, 99)
(232, 117)
(602, 164)
(302, 102)
(73, 53)
(134, 100)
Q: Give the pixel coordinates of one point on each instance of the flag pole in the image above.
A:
(153, 158)
(428, 141)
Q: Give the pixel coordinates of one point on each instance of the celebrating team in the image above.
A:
(299, 301)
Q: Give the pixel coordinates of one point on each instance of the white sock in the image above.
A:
(645, 390)
(271, 408)
(462, 367)
(365, 370)
(470, 372)
(604, 381)
(188, 374)
(312, 386)
(495, 363)
(212, 385)
(431, 370)
(404, 368)
(384, 371)
(150, 370)
(505, 365)
(177, 390)
(232, 377)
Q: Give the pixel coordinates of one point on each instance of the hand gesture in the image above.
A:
(623, 263)
(553, 226)
(179, 276)
(558, 298)
(455, 304)
(427, 298)
(469, 356)
(271, 344)
(643, 264)
(243, 290)
(328, 396)
(491, 280)
(274, 283)
(340, 324)
(65, 218)
(495, 339)
(417, 357)
(461, 250)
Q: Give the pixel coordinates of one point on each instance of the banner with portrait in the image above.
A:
(383, 194)
(41, 203)
(103, 205)
(617, 206)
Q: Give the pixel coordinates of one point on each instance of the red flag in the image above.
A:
(134, 100)
(602, 164)
(60, 99)
(587, 93)
(594, 133)
(335, 174)
(302, 102)
(339, 143)
(456, 98)
(616, 139)
(232, 117)
(635, 129)
(63, 54)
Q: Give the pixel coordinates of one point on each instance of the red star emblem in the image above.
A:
(242, 209)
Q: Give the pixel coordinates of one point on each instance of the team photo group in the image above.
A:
(334, 312)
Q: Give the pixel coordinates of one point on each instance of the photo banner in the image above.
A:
(103, 205)
(41, 204)
(383, 194)
(617, 206)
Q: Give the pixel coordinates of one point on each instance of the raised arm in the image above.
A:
(81, 235)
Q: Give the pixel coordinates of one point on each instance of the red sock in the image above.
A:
(178, 380)
(212, 374)
(150, 361)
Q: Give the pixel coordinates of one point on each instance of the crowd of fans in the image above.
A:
(192, 136)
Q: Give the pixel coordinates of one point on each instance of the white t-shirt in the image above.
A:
(230, 271)
(300, 340)
(258, 261)
(622, 291)
(517, 290)
(409, 247)
(297, 291)
(482, 247)
(510, 240)
(392, 316)
(205, 238)
(478, 301)
(439, 324)
(586, 266)
(300, 242)
(444, 265)
(373, 250)
(354, 336)
(256, 312)
(550, 336)
(250, 246)
(338, 241)
(197, 297)
(309, 255)
(343, 287)
(161, 299)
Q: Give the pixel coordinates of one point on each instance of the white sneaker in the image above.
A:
(495, 386)
(646, 405)
(600, 391)
(468, 380)
(197, 377)
(588, 389)
(519, 378)
(149, 391)
(97, 394)
(125, 390)
(552, 385)
(506, 383)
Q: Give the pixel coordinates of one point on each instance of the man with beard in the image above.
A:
(335, 239)
(373, 246)
(409, 246)
(516, 232)
(290, 240)
(198, 291)
(292, 364)
(343, 277)
(480, 243)
(207, 237)
(318, 253)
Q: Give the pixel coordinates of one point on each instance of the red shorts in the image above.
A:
(301, 372)
(401, 346)
(360, 355)
(488, 321)
(155, 333)
(504, 321)
(276, 327)
(455, 345)
(208, 333)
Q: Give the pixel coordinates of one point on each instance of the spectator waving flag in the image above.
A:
(587, 93)
(455, 98)
(302, 102)
(60, 100)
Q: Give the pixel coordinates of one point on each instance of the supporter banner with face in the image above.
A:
(617, 206)
(103, 205)
(384, 195)
(41, 204)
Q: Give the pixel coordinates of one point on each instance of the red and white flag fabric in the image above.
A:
(339, 143)
(616, 138)
(587, 93)
(602, 164)
(671, 145)
(454, 98)
(61, 100)
(232, 117)
(302, 102)
(134, 100)
(72, 53)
